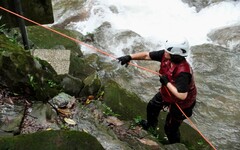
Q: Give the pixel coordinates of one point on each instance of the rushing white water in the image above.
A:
(157, 21)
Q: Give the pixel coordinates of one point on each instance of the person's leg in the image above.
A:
(153, 109)
(173, 121)
(172, 129)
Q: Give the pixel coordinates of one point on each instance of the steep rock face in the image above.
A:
(217, 79)
(108, 39)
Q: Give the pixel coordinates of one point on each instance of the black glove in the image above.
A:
(125, 60)
(164, 80)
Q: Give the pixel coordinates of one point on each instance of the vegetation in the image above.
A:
(51, 140)
(25, 74)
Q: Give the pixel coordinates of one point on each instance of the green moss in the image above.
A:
(46, 39)
(127, 105)
(24, 74)
(80, 68)
(192, 139)
(92, 84)
(51, 140)
(7, 43)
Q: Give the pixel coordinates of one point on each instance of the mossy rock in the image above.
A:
(46, 39)
(128, 105)
(24, 74)
(71, 85)
(92, 85)
(192, 139)
(79, 68)
(51, 140)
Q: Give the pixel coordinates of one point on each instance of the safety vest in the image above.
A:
(172, 71)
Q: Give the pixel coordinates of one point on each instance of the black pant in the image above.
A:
(173, 120)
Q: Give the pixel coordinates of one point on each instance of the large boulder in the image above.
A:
(127, 104)
(72, 85)
(45, 39)
(42, 38)
(228, 37)
(79, 68)
(92, 85)
(24, 74)
(53, 140)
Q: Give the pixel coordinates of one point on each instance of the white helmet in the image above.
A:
(177, 47)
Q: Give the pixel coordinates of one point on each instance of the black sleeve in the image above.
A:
(182, 82)
(156, 55)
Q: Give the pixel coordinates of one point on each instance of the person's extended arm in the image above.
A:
(137, 56)
(155, 55)
(140, 56)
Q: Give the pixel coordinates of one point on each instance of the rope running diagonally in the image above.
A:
(109, 55)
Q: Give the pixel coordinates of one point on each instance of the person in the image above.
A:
(178, 87)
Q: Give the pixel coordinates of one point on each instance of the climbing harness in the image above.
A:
(109, 55)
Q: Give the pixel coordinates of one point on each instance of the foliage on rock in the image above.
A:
(24, 74)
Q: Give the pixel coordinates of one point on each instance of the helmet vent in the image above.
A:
(169, 49)
(183, 51)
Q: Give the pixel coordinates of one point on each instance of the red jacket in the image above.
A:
(172, 73)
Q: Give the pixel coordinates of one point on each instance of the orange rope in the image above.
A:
(107, 54)
(194, 126)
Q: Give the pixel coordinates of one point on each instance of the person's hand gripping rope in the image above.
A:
(164, 80)
(124, 60)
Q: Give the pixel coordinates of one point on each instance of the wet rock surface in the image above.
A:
(227, 37)
(89, 117)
